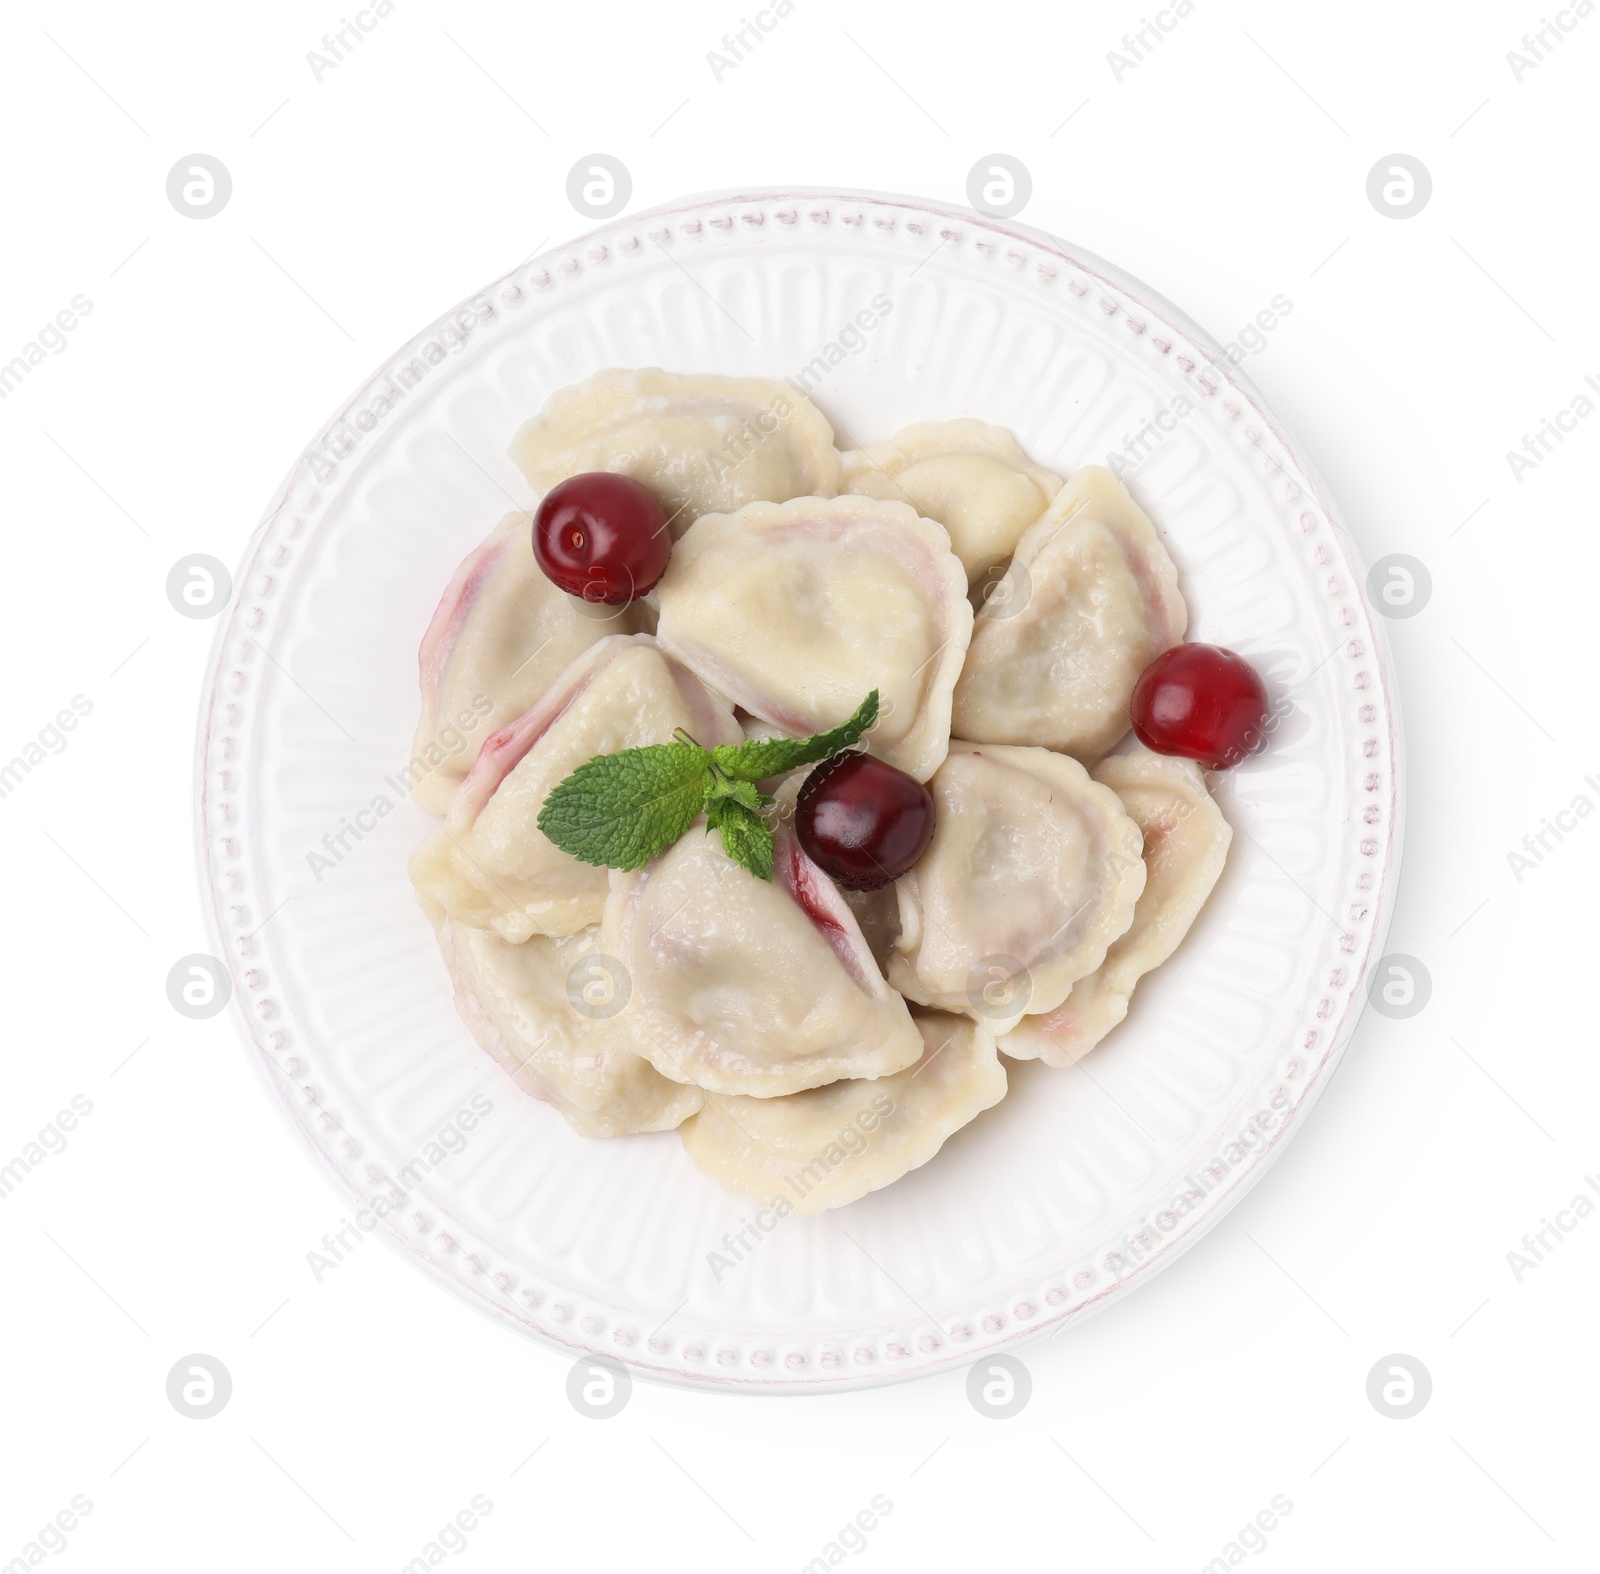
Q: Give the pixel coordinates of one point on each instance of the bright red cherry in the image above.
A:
(1202, 702)
(863, 823)
(603, 537)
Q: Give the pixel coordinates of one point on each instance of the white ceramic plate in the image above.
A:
(1082, 1182)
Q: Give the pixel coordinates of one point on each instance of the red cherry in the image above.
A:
(1202, 702)
(603, 537)
(863, 823)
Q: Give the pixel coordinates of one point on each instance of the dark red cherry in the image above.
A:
(863, 823)
(1202, 702)
(603, 537)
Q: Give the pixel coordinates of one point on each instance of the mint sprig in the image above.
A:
(757, 758)
(620, 810)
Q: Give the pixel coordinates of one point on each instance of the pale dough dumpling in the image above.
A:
(502, 635)
(489, 864)
(973, 478)
(1032, 872)
(1185, 845)
(751, 986)
(1094, 600)
(827, 1147)
(702, 444)
(518, 1003)
(797, 610)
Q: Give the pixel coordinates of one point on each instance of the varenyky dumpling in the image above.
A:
(827, 1147)
(973, 478)
(702, 444)
(1093, 599)
(1033, 871)
(796, 610)
(750, 986)
(1185, 844)
(502, 635)
(517, 1001)
(489, 864)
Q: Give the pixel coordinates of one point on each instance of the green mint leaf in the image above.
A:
(746, 836)
(620, 810)
(757, 759)
(725, 787)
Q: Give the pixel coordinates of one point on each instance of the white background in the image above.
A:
(1227, 167)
